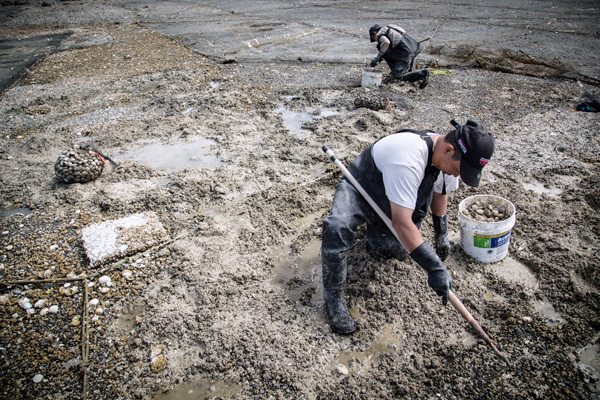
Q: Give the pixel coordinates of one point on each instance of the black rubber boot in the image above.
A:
(334, 281)
(414, 76)
(425, 80)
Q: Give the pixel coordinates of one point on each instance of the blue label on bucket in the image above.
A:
(491, 241)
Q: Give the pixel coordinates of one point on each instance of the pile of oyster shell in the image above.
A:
(79, 165)
(487, 211)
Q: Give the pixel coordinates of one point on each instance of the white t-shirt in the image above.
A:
(402, 159)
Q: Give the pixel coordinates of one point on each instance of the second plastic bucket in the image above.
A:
(486, 241)
(371, 78)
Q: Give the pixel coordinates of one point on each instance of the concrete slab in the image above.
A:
(110, 240)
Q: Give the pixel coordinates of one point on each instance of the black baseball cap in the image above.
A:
(374, 28)
(476, 146)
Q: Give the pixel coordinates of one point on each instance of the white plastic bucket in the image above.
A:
(486, 241)
(371, 78)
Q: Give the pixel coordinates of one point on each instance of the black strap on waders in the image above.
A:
(430, 169)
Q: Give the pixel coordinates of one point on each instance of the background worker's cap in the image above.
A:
(476, 146)
(374, 28)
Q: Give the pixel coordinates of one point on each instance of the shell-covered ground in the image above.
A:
(228, 303)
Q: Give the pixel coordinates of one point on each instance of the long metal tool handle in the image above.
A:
(458, 305)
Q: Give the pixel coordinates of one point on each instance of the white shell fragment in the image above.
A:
(342, 369)
(104, 279)
(53, 309)
(38, 378)
(40, 303)
(94, 302)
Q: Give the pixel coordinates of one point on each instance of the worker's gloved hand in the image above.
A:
(374, 62)
(439, 279)
(442, 244)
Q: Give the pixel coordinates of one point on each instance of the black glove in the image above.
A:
(439, 279)
(442, 244)
(374, 62)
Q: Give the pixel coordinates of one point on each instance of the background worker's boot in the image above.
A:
(422, 76)
(334, 282)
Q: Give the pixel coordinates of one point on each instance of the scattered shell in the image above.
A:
(53, 309)
(127, 274)
(342, 369)
(94, 302)
(158, 364)
(25, 303)
(38, 378)
(40, 303)
(44, 311)
(104, 290)
(99, 310)
(15, 315)
(31, 311)
(104, 279)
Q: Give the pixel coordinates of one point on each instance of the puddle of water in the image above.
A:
(540, 189)
(295, 279)
(464, 338)
(293, 120)
(590, 361)
(174, 157)
(491, 296)
(547, 311)
(390, 336)
(201, 389)
(310, 218)
(14, 211)
(514, 271)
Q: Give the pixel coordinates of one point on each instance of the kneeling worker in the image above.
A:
(399, 51)
(401, 172)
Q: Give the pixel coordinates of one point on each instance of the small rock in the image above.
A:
(38, 378)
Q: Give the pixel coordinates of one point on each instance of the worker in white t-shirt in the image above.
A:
(401, 172)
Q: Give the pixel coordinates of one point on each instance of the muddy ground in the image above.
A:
(230, 305)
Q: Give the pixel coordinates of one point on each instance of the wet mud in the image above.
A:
(229, 304)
